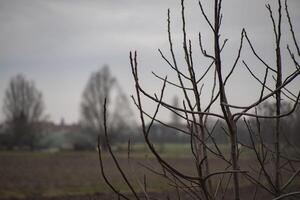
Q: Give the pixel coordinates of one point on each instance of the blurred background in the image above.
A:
(58, 56)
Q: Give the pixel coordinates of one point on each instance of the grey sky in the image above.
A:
(58, 43)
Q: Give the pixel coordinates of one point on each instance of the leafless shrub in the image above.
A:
(270, 166)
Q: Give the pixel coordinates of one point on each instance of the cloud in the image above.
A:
(73, 38)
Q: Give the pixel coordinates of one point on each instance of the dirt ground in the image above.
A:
(246, 193)
(76, 175)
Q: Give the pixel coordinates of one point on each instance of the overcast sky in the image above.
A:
(59, 43)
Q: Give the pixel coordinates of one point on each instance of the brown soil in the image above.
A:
(52, 176)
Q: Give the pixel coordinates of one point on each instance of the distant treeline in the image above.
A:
(76, 137)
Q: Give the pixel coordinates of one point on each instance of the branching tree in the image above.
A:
(23, 108)
(270, 170)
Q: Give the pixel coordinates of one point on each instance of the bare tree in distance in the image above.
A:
(175, 119)
(102, 84)
(122, 117)
(289, 125)
(23, 108)
(269, 170)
